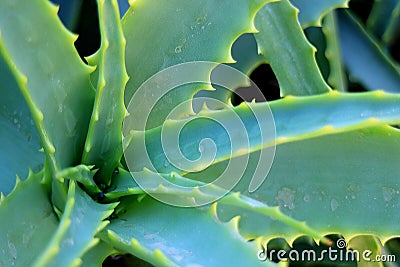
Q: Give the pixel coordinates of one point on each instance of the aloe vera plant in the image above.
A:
(138, 150)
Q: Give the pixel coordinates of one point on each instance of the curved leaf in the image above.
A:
(81, 220)
(56, 89)
(333, 194)
(392, 32)
(165, 236)
(363, 57)
(193, 192)
(28, 222)
(282, 42)
(312, 11)
(20, 140)
(96, 255)
(378, 19)
(336, 74)
(163, 34)
(296, 118)
(103, 147)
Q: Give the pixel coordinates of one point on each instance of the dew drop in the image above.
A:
(69, 241)
(200, 20)
(70, 121)
(166, 163)
(25, 238)
(285, 198)
(12, 249)
(109, 121)
(334, 204)
(306, 198)
(388, 193)
(178, 49)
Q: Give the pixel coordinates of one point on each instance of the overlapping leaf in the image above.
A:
(363, 57)
(165, 236)
(162, 34)
(295, 118)
(57, 90)
(27, 222)
(81, 220)
(282, 42)
(103, 147)
(312, 11)
(20, 141)
(308, 178)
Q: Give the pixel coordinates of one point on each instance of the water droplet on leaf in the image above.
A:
(178, 49)
(285, 198)
(334, 204)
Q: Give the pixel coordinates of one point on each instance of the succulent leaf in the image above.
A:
(282, 42)
(332, 52)
(378, 19)
(312, 11)
(337, 189)
(20, 140)
(103, 147)
(81, 220)
(392, 31)
(97, 254)
(367, 243)
(58, 92)
(163, 235)
(192, 191)
(368, 63)
(82, 174)
(191, 25)
(296, 118)
(27, 222)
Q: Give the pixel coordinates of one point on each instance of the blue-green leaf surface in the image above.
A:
(363, 57)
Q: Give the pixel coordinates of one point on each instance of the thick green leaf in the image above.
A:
(96, 255)
(317, 38)
(312, 11)
(282, 42)
(392, 32)
(336, 73)
(82, 174)
(103, 146)
(367, 243)
(20, 140)
(333, 194)
(364, 58)
(171, 236)
(163, 34)
(27, 222)
(295, 118)
(81, 220)
(194, 193)
(379, 19)
(51, 76)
